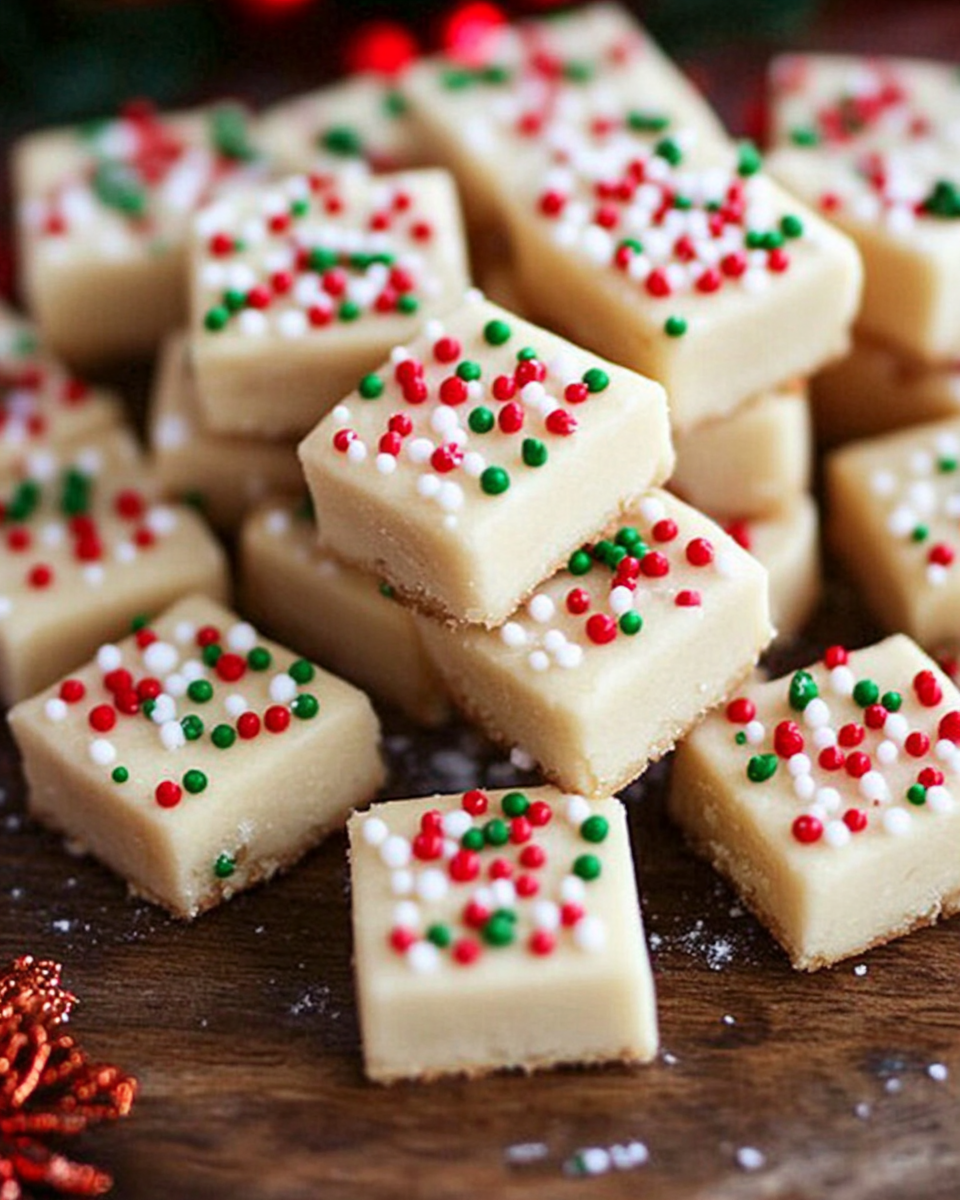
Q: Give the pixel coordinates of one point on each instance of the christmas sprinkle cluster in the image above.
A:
(315, 251)
(140, 176)
(626, 192)
(885, 137)
(466, 416)
(859, 754)
(203, 693)
(921, 501)
(609, 589)
(489, 874)
(65, 527)
(35, 390)
(364, 123)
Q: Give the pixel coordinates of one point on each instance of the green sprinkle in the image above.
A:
(224, 867)
(230, 134)
(259, 658)
(866, 693)
(596, 379)
(514, 804)
(305, 706)
(494, 481)
(192, 727)
(117, 186)
(496, 833)
(587, 866)
(526, 353)
(749, 159)
(440, 935)
(595, 829)
(495, 73)
(534, 452)
(147, 707)
(299, 208)
(223, 736)
(917, 794)
(579, 562)
(803, 689)
(349, 310)
(892, 701)
(200, 690)
(371, 387)
(394, 104)
(457, 78)
(631, 244)
(234, 300)
(216, 318)
(386, 590)
(740, 738)
(647, 122)
(407, 303)
(211, 654)
(675, 327)
(628, 536)
(473, 840)
(500, 930)
(946, 466)
(944, 200)
(119, 774)
(302, 671)
(577, 72)
(920, 533)
(804, 135)
(342, 140)
(761, 767)
(791, 226)
(631, 623)
(194, 782)
(496, 332)
(669, 150)
(140, 621)
(481, 420)
(322, 260)
(469, 370)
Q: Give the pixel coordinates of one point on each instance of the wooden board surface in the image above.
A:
(242, 1028)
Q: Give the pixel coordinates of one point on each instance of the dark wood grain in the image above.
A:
(242, 1027)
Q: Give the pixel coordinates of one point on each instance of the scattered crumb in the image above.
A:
(313, 1000)
(728, 1019)
(62, 926)
(860, 970)
(737, 910)
(938, 1071)
(669, 1059)
(750, 1159)
(597, 1160)
(521, 759)
(525, 1152)
(862, 1111)
(16, 893)
(893, 1085)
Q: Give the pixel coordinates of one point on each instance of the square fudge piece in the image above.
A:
(471, 464)
(875, 390)
(680, 260)
(617, 656)
(302, 286)
(361, 121)
(829, 799)
(752, 463)
(871, 142)
(85, 548)
(478, 116)
(104, 211)
(894, 520)
(787, 545)
(42, 405)
(195, 758)
(495, 930)
(344, 618)
(222, 475)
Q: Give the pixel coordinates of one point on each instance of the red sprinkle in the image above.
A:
(248, 725)
(168, 794)
(855, 819)
(699, 552)
(807, 829)
(787, 739)
(276, 718)
(741, 711)
(542, 942)
(102, 718)
(601, 629)
(475, 802)
(917, 744)
(72, 690)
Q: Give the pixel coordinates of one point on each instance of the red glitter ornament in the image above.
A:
(466, 29)
(48, 1086)
(384, 47)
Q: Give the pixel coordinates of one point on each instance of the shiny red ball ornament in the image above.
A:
(384, 47)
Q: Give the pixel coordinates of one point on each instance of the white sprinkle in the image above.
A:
(541, 608)
(896, 727)
(428, 486)
(283, 689)
(817, 713)
(513, 635)
(160, 658)
(432, 885)
(569, 655)
(750, 1159)
(572, 889)
(93, 575)
(860, 970)
(406, 914)
(185, 631)
(374, 831)
(395, 851)
(842, 681)
(172, 735)
(539, 660)
(887, 753)
(897, 821)
(546, 915)
(241, 637)
(292, 323)
(729, 1019)
(939, 798)
(862, 1111)
(102, 752)
(235, 704)
(836, 834)
(420, 449)
(109, 658)
(456, 823)
(386, 463)
(755, 732)
(938, 1071)
(356, 451)
(590, 934)
(401, 882)
(873, 786)
(55, 709)
(594, 1160)
(577, 810)
(423, 957)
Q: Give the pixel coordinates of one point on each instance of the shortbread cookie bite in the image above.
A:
(615, 657)
(480, 117)
(104, 211)
(829, 799)
(496, 930)
(468, 466)
(42, 405)
(871, 142)
(86, 547)
(344, 618)
(679, 260)
(359, 122)
(874, 390)
(894, 522)
(753, 463)
(787, 544)
(302, 286)
(222, 475)
(195, 758)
